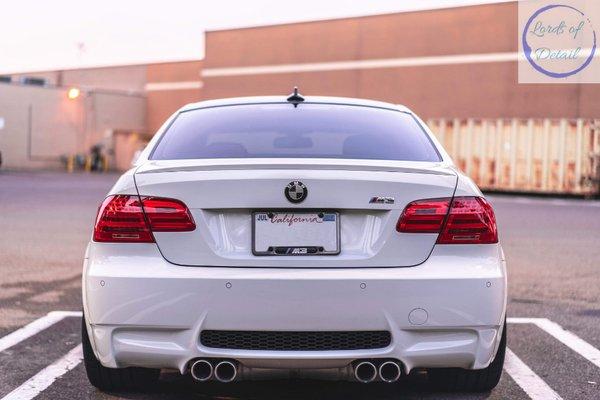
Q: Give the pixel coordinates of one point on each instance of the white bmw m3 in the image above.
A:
(293, 233)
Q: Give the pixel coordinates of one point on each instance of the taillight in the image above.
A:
(466, 220)
(121, 219)
(423, 216)
(167, 215)
(129, 218)
(471, 220)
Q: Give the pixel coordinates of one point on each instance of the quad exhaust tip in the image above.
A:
(201, 370)
(390, 371)
(365, 372)
(225, 371)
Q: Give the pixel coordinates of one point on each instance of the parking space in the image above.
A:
(544, 362)
(552, 248)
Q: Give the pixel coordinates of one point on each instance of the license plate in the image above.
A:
(291, 233)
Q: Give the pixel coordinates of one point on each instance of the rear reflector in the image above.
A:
(129, 218)
(467, 220)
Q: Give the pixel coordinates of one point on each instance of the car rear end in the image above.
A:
(326, 235)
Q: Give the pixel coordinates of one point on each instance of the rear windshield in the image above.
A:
(308, 131)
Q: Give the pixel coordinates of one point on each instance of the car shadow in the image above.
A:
(174, 386)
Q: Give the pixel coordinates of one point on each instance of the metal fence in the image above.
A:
(531, 155)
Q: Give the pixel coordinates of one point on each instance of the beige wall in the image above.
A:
(126, 144)
(42, 124)
(112, 111)
(56, 126)
(127, 78)
(134, 100)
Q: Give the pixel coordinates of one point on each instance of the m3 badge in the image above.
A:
(381, 200)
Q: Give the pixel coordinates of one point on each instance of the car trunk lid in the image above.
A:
(223, 194)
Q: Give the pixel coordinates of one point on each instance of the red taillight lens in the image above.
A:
(127, 218)
(471, 220)
(423, 216)
(467, 220)
(167, 215)
(121, 219)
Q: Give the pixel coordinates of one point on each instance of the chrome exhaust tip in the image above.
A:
(225, 371)
(365, 372)
(201, 370)
(390, 371)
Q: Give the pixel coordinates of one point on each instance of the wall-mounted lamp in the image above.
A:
(73, 93)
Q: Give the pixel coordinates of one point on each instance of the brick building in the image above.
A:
(453, 62)
(448, 63)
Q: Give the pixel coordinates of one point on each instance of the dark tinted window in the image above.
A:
(308, 131)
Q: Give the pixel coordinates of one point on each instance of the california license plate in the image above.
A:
(291, 233)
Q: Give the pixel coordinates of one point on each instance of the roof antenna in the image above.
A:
(295, 98)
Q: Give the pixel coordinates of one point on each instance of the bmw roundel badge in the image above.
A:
(296, 192)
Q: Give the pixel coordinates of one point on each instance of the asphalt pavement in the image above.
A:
(552, 248)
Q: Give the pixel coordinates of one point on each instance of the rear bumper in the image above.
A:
(143, 311)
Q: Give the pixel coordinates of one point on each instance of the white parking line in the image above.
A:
(35, 327)
(46, 377)
(569, 339)
(528, 380)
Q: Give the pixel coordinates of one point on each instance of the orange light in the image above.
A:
(73, 93)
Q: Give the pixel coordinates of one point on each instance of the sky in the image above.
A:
(41, 35)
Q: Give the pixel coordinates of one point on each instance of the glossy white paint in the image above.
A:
(146, 311)
(221, 202)
(146, 304)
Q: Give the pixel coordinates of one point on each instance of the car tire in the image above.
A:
(114, 379)
(476, 380)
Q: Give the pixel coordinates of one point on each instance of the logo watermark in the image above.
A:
(558, 41)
